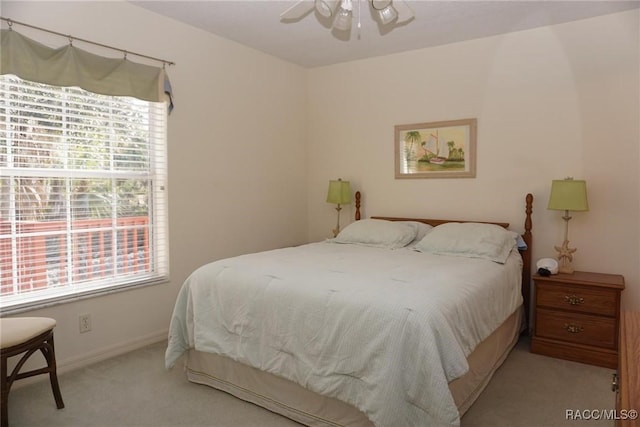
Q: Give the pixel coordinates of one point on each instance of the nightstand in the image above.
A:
(577, 316)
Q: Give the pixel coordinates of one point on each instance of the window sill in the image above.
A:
(65, 299)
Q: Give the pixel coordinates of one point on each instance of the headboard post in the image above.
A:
(358, 205)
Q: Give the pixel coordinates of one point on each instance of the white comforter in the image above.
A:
(384, 330)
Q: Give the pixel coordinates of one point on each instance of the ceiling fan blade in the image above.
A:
(405, 13)
(298, 10)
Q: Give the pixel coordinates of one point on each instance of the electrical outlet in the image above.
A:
(85, 322)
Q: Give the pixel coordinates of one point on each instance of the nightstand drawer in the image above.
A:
(577, 328)
(577, 298)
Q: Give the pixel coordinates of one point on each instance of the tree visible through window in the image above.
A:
(82, 192)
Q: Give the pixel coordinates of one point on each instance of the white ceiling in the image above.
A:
(310, 42)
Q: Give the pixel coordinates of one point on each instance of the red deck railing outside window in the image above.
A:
(42, 258)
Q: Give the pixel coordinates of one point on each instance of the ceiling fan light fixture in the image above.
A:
(341, 13)
(326, 8)
(380, 4)
(388, 14)
(345, 14)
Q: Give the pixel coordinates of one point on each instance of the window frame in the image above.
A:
(156, 173)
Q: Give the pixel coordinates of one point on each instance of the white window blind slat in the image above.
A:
(83, 205)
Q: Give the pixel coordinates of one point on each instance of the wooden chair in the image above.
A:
(26, 335)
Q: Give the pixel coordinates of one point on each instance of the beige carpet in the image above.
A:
(135, 390)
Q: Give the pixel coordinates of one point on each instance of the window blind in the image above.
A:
(83, 200)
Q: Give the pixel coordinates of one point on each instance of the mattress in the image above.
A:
(385, 331)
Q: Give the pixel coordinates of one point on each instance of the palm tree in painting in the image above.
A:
(411, 138)
(451, 145)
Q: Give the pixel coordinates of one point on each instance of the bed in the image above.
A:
(396, 321)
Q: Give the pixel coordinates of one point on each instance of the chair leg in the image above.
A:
(53, 375)
(4, 421)
(44, 343)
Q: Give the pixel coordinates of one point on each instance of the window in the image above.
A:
(82, 193)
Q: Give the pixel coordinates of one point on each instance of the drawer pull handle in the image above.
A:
(574, 299)
(614, 382)
(574, 329)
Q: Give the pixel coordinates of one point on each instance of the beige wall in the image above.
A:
(236, 160)
(550, 102)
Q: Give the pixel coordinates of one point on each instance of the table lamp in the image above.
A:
(567, 195)
(339, 194)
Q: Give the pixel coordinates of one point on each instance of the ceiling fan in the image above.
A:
(340, 12)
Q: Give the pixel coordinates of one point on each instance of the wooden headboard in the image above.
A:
(526, 236)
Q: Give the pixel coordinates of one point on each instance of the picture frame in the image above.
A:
(444, 149)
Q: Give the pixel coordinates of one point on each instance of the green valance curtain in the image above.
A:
(70, 66)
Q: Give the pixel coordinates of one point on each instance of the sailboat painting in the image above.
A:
(444, 149)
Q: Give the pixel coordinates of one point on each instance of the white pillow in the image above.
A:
(469, 239)
(377, 232)
(421, 229)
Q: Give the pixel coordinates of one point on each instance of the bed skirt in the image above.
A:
(304, 406)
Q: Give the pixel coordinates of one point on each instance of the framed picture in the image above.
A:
(436, 150)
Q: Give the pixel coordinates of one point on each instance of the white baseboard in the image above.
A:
(78, 362)
(71, 364)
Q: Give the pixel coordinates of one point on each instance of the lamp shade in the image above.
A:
(386, 11)
(380, 4)
(568, 195)
(326, 8)
(339, 192)
(387, 15)
(344, 16)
